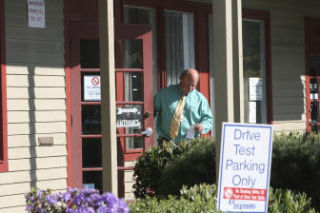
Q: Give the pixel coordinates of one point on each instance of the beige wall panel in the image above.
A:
(36, 104)
(37, 92)
(36, 46)
(129, 196)
(34, 151)
(31, 140)
(35, 81)
(36, 70)
(32, 34)
(128, 176)
(39, 163)
(289, 126)
(40, 128)
(41, 58)
(290, 118)
(14, 200)
(35, 116)
(33, 175)
(14, 209)
(22, 188)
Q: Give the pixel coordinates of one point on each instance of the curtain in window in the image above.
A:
(179, 40)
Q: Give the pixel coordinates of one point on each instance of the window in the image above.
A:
(254, 74)
(256, 66)
(3, 98)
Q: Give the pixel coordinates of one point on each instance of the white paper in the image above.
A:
(255, 89)
(92, 90)
(191, 132)
(252, 112)
(36, 13)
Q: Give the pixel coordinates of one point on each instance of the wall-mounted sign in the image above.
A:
(255, 89)
(36, 14)
(129, 116)
(245, 163)
(91, 88)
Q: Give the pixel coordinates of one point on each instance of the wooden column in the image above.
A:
(108, 98)
(227, 68)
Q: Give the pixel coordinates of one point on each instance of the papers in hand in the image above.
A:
(191, 132)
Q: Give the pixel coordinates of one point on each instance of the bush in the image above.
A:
(202, 198)
(195, 166)
(196, 199)
(74, 201)
(296, 164)
(150, 164)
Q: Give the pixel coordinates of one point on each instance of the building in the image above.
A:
(50, 109)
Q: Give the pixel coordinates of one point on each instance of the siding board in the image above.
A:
(34, 151)
(39, 163)
(36, 116)
(40, 128)
(36, 104)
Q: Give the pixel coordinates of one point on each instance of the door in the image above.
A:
(313, 74)
(134, 100)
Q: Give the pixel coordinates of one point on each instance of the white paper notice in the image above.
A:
(255, 89)
(191, 132)
(36, 13)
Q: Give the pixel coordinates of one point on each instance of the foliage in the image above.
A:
(150, 164)
(74, 201)
(285, 201)
(195, 166)
(202, 198)
(198, 199)
(296, 164)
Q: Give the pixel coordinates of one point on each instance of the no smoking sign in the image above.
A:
(95, 81)
(91, 88)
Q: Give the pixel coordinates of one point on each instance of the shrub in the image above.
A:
(296, 164)
(195, 166)
(199, 199)
(74, 201)
(202, 198)
(285, 201)
(150, 164)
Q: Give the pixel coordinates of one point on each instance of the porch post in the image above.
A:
(237, 61)
(227, 68)
(108, 100)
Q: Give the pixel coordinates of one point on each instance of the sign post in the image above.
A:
(245, 163)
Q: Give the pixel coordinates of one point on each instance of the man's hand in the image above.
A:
(198, 128)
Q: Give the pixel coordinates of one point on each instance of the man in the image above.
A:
(181, 107)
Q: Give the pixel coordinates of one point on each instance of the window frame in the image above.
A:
(3, 96)
(265, 17)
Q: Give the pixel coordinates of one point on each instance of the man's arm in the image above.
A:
(206, 117)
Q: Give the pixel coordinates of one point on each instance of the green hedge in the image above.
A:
(295, 166)
(202, 198)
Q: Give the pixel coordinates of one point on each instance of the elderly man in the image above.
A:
(181, 107)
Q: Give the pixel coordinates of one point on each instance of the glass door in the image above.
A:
(134, 100)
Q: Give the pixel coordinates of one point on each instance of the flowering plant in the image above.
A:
(74, 201)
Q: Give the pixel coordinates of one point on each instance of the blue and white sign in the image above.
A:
(245, 163)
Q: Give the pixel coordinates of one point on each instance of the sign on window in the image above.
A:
(91, 88)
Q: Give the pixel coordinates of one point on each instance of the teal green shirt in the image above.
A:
(196, 110)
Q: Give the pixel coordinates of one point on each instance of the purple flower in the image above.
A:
(52, 200)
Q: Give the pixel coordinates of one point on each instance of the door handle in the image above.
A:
(147, 132)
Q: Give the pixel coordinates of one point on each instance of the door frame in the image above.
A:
(74, 150)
